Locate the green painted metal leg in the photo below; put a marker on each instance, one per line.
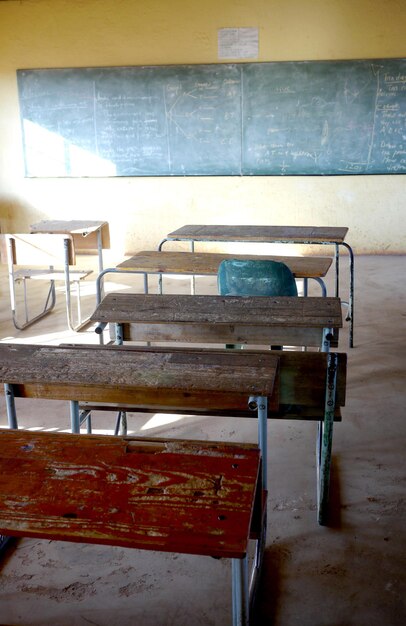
(325, 441)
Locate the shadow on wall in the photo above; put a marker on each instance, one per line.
(14, 217)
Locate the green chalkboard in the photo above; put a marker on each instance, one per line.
(288, 118)
(345, 117)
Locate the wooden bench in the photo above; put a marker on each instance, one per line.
(207, 264)
(48, 257)
(192, 497)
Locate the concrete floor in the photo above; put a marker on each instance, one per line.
(349, 573)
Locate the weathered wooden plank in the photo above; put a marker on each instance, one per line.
(98, 373)
(207, 263)
(84, 232)
(264, 233)
(221, 334)
(208, 309)
(301, 376)
(177, 496)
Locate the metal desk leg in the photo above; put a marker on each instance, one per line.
(350, 314)
(12, 423)
(121, 422)
(100, 254)
(240, 591)
(161, 243)
(325, 441)
(10, 406)
(260, 404)
(74, 416)
(337, 259)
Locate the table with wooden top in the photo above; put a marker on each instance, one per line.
(312, 235)
(221, 319)
(207, 263)
(87, 235)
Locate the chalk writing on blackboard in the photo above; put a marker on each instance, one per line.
(287, 118)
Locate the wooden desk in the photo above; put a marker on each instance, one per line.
(191, 497)
(207, 264)
(320, 235)
(229, 381)
(221, 319)
(46, 257)
(87, 235)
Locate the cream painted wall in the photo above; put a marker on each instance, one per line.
(67, 33)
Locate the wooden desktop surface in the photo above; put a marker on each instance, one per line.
(265, 233)
(208, 319)
(219, 310)
(207, 263)
(169, 378)
(83, 231)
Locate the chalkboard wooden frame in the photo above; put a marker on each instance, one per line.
(247, 119)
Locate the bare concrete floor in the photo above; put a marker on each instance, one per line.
(349, 573)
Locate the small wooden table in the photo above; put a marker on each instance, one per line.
(87, 235)
(192, 497)
(221, 319)
(206, 264)
(317, 235)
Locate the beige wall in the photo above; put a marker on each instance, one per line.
(67, 33)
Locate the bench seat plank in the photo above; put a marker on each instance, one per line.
(207, 263)
(178, 496)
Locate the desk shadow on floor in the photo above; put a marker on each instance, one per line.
(269, 587)
(334, 518)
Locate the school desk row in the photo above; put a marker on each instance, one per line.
(60, 486)
(78, 236)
